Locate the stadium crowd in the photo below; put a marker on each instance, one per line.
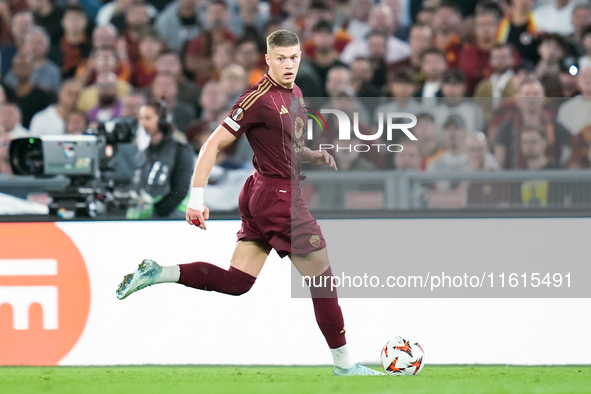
(494, 84)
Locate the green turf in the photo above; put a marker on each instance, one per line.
(283, 380)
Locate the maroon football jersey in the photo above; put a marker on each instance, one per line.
(274, 122)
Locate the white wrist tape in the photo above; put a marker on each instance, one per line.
(196, 199)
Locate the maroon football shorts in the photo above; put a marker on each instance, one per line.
(275, 216)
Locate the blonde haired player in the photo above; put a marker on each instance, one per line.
(273, 214)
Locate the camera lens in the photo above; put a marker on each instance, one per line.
(26, 156)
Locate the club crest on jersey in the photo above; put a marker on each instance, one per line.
(315, 241)
(237, 114)
(298, 127)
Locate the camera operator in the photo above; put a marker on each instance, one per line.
(163, 171)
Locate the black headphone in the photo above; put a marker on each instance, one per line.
(162, 111)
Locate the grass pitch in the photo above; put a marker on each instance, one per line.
(300, 380)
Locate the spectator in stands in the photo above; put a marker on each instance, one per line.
(121, 22)
(378, 46)
(131, 104)
(111, 9)
(581, 18)
(447, 27)
(585, 60)
(144, 70)
(500, 83)
(222, 57)
(169, 63)
(402, 88)
(76, 122)
(323, 51)
(337, 79)
(432, 65)
(248, 56)
(425, 14)
(409, 158)
(427, 139)
(5, 15)
(200, 48)
(575, 114)
(339, 39)
(479, 156)
(538, 193)
(114, 13)
(49, 16)
(11, 121)
(361, 79)
(46, 74)
(179, 22)
(349, 159)
(519, 29)
(109, 104)
(580, 144)
(454, 159)
(338, 85)
(52, 120)
(454, 90)
(105, 36)
(507, 108)
(249, 18)
(381, 19)
(420, 38)
(555, 17)
(552, 50)
(165, 88)
(21, 23)
(567, 83)
(74, 47)
(358, 25)
(29, 98)
(103, 59)
(214, 103)
(213, 100)
(402, 19)
(473, 59)
(234, 82)
(137, 18)
(530, 104)
(534, 142)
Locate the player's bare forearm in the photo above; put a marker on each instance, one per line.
(208, 153)
(306, 156)
(197, 211)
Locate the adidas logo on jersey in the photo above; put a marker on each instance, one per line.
(283, 110)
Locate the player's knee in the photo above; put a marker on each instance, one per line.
(240, 282)
(241, 288)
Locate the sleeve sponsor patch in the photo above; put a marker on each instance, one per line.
(230, 122)
(237, 114)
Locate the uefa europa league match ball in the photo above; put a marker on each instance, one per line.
(401, 356)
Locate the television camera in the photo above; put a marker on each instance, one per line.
(83, 159)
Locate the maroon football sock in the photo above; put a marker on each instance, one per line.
(210, 277)
(327, 310)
